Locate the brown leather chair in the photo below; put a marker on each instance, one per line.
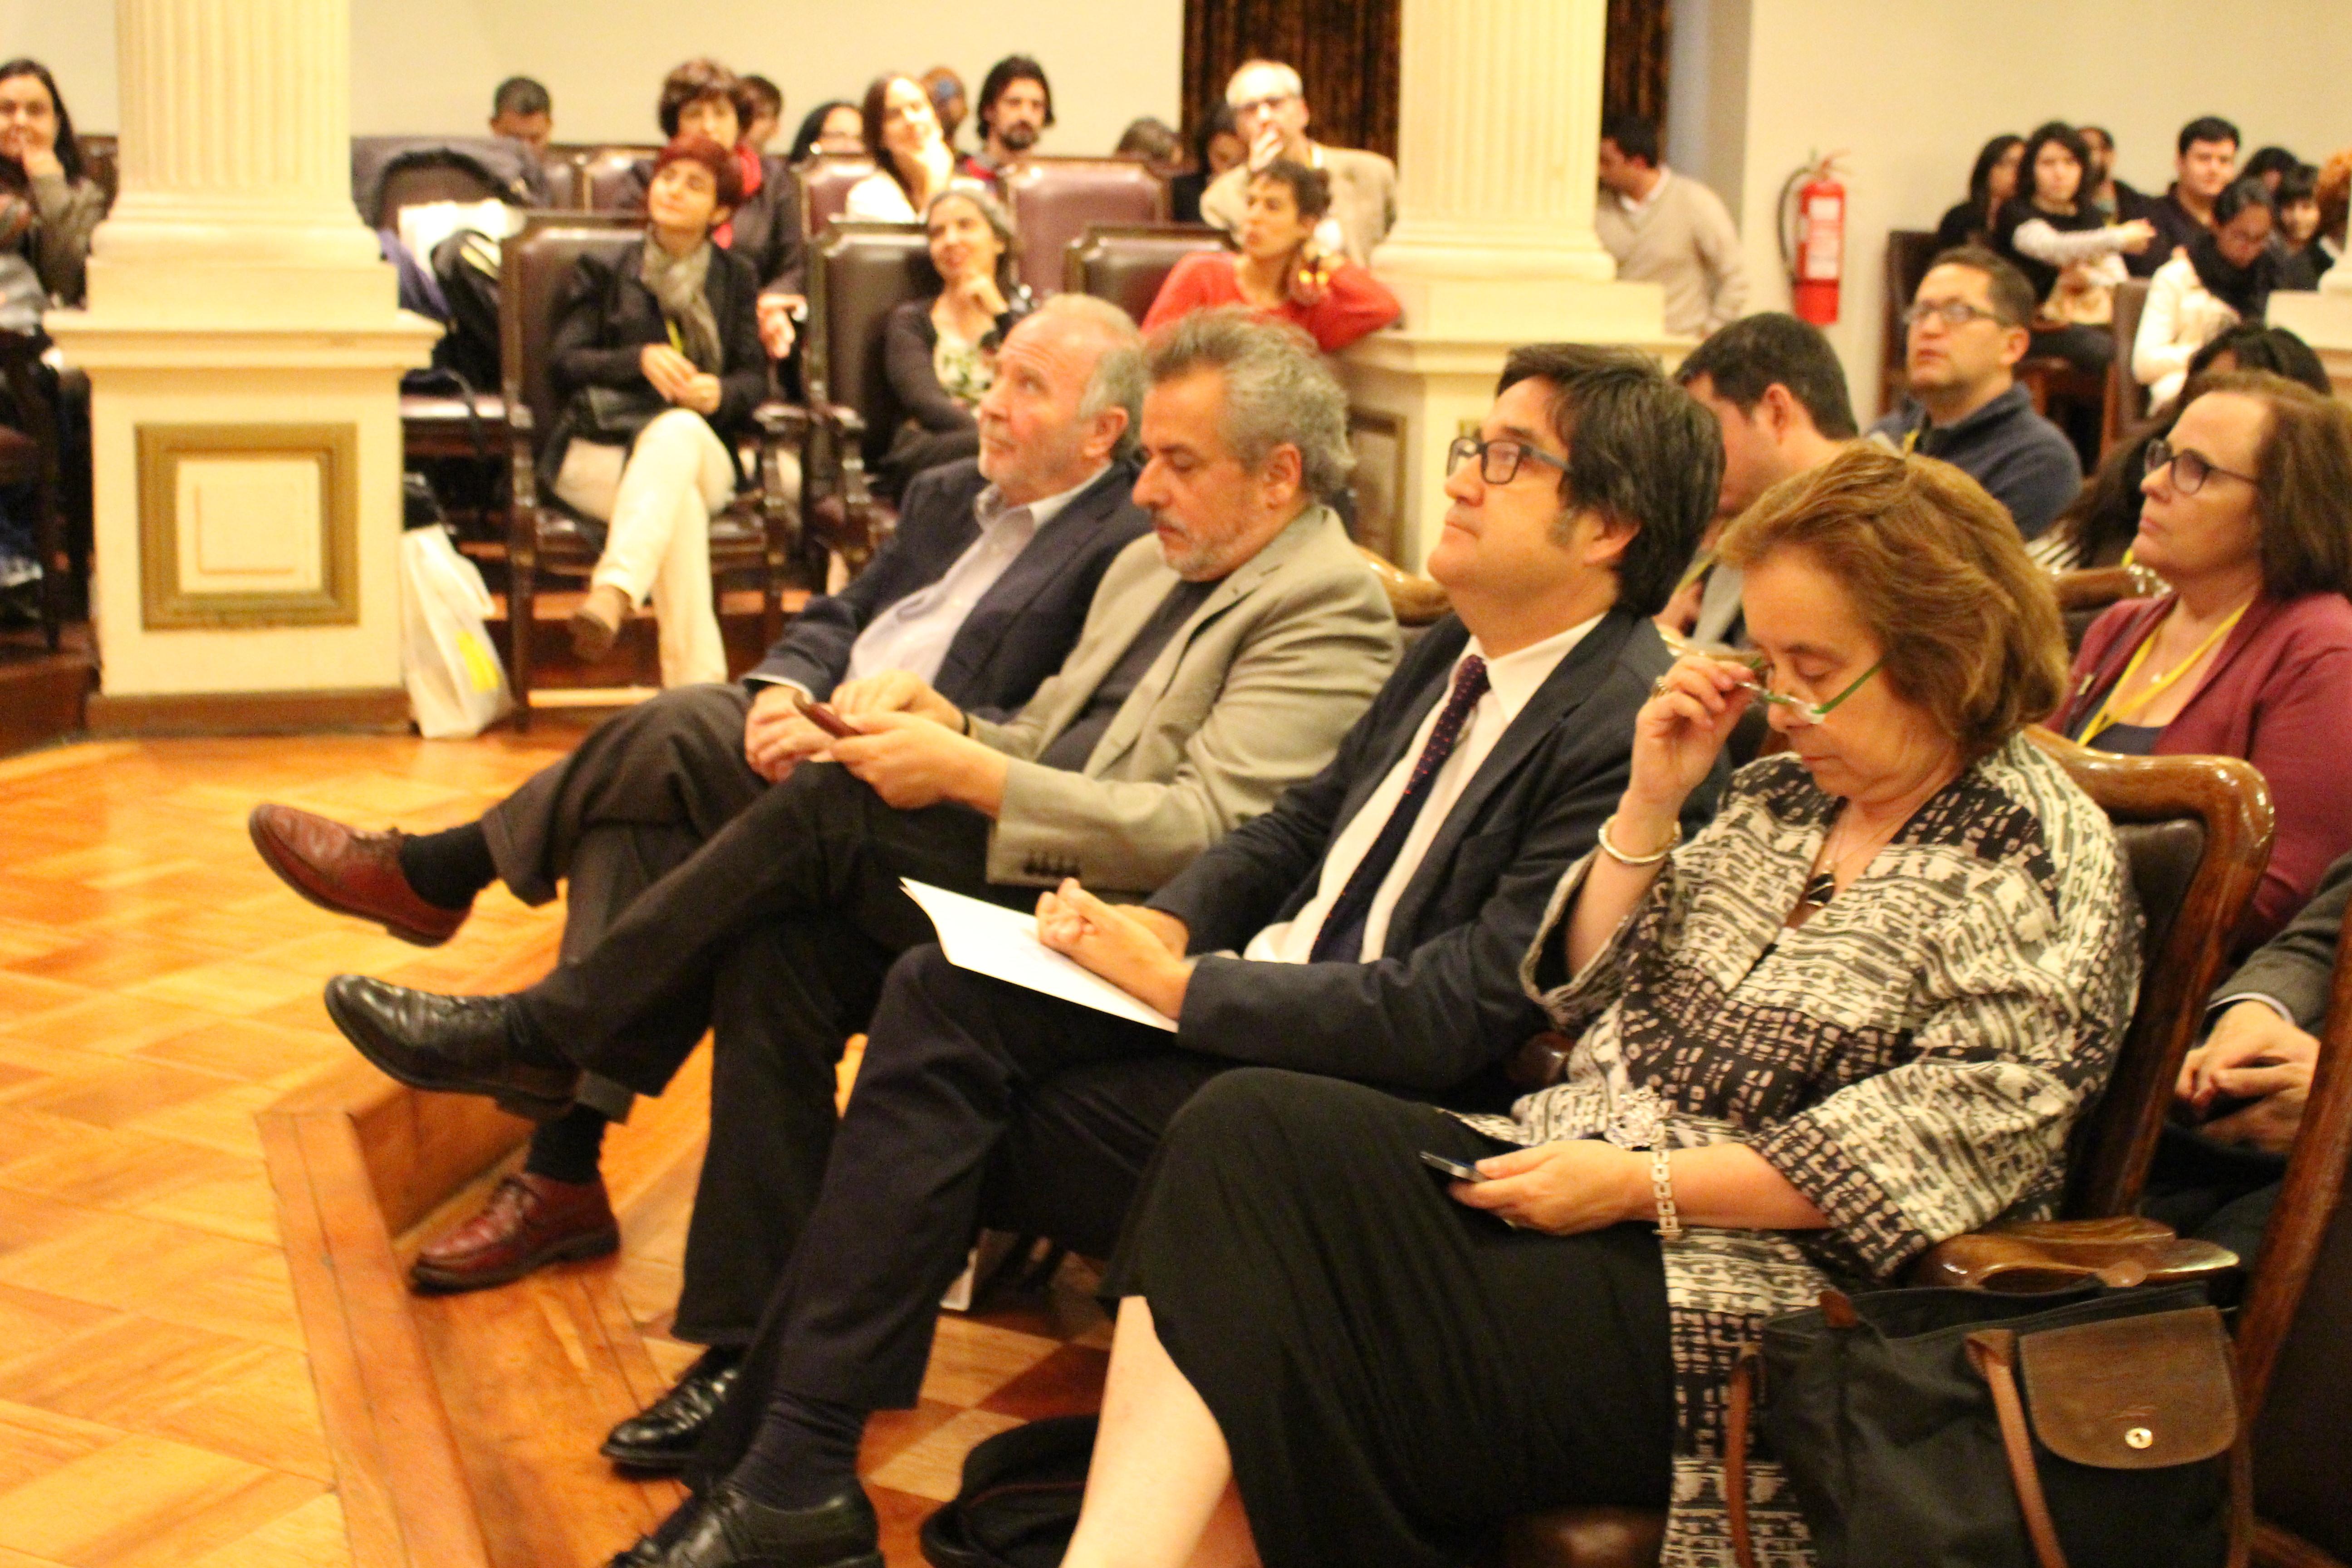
(605, 178)
(2083, 597)
(824, 183)
(1417, 600)
(102, 162)
(2196, 832)
(1126, 263)
(30, 456)
(1054, 199)
(858, 273)
(1908, 251)
(2126, 398)
(415, 184)
(757, 536)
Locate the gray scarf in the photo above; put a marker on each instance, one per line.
(677, 282)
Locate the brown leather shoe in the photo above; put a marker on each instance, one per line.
(530, 1221)
(350, 872)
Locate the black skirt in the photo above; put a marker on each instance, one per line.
(1395, 1374)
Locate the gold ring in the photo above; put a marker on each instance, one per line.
(1658, 687)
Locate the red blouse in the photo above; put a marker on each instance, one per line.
(1354, 304)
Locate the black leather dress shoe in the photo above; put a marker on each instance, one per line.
(460, 1045)
(665, 1434)
(733, 1531)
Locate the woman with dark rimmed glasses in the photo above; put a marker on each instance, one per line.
(2247, 517)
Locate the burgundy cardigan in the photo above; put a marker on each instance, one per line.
(2280, 695)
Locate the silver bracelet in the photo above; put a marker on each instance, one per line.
(1609, 848)
(1661, 1186)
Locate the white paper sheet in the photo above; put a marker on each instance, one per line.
(991, 940)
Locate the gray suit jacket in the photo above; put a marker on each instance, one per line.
(1364, 198)
(1249, 697)
(2294, 967)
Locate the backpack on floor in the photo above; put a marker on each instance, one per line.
(1019, 1501)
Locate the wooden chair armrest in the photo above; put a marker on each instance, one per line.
(2045, 1255)
(780, 421)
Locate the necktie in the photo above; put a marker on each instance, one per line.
(1342, 936)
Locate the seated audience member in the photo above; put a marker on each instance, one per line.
(767, 113)
(2242, 1090)
(1151, 138)
(1216, 147)
(1966, 331)
(2206, 166)
(2248, 519)
(912, 163)
(1270, 117)
(835, 126)
(1776, 1059)
(939, 353)
(658, 358)
(1378, 912)
(944, 88)
(980, 592)
(1280, 270)
(2225, 277)
(2269, 165)
(522, 110)
(2072, 256)
(2298, 260)
(1668, 229)
(704, 97)
(1993, 184)
(2274, 348)
(1777, 393)
(60, 205)
(2110, 197)
(1017, 108)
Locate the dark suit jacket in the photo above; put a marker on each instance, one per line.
(2294, 967)
(1021, 628)
(766, 226)
(1444, 1007)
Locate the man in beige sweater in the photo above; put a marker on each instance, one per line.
(1666, 229)
(1270, 113)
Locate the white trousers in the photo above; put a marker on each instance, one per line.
(656, 501)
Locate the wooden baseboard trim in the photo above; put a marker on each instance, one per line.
(380, 709)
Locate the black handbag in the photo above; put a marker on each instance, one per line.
(1019, 1501)
(1971, 1429)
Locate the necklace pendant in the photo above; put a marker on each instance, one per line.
(1820, 888)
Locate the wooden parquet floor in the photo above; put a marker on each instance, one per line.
(158, 988)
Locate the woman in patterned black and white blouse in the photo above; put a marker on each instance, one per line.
(1855, 1016)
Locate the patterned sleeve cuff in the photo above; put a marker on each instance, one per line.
(1867, 1223)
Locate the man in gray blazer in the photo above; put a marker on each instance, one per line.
(1221, 662)
(1269, 107)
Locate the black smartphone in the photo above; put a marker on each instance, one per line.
(823, 717)
(1454, 1168)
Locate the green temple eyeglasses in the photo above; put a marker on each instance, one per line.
(1801, 711)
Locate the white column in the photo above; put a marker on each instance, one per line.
(1498, 134)
(244, 344)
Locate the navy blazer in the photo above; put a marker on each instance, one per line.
(1444, 1008)
(1021, 628)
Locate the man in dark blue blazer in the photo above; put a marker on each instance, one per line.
(981, 591)
(1371, 926)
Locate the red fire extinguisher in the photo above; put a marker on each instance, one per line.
(1813, 239)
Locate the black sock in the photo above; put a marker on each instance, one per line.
(805, 1454)
(448, 869)
(565, 1148)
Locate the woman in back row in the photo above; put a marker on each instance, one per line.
(2225, 278)
(1280, 271)
(2072, 256)
(48, 204)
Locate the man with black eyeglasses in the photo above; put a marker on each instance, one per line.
(1371, 926)
(1966, 329)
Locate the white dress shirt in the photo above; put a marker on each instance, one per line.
(1511, 681)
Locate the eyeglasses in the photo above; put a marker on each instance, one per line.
(2190, 469)
(1801, 713)
(1954, 314)
(1498, 461)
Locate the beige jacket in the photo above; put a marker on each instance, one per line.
(1249, 697)
(1363, 197)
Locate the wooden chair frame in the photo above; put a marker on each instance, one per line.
(20, 359)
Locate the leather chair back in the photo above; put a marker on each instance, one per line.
(861, 272)
(1908, 251)
(605, 180)
(1126, 263)
(825, 183)
(102, 162)
(415, 184)
(1054, 199)
(2126, 398)
(532, 266)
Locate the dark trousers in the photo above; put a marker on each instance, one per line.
(977, 1102)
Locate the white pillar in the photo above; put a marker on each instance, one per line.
(1499, 131)
(244, 345)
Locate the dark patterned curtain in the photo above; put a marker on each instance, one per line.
(1634, 77)
(1345, 52)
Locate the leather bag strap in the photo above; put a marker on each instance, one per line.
(1736, 1414)
(1994, 1354)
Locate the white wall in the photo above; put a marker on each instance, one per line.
(1910, 89)
(428, 66)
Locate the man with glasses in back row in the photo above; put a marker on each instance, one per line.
(1966, 329)
(1269, 107)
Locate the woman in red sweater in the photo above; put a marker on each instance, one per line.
(1281, 271)
(2248, 519)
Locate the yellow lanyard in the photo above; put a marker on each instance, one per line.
(2110, 714)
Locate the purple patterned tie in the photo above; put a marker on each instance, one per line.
(1342, 936)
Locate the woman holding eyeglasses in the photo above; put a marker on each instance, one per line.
(1905, 936)
(2247, 516)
